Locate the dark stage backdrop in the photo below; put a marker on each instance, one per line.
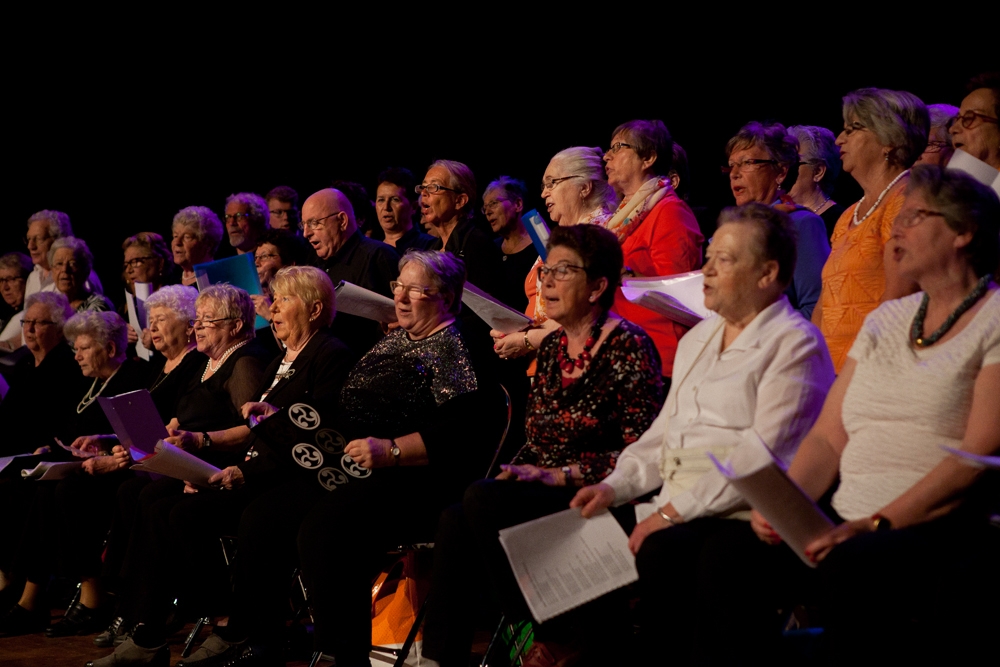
(122, 153)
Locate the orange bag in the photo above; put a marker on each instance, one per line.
(396, 598)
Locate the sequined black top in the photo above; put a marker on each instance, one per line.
(590, 421)
(398, 387)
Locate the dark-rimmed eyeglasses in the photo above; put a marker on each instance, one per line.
(12, 279)
(553, 182)
(750, 164)
(915, 217)
(433, 189)
(263, 256)
(854, 127)
(561, 271)
(968, 119)
(412, 291)
(207, 323)
(235, 217)
(617, 146)
(281, 212)
(316, 223)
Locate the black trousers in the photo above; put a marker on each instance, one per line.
(471, 569)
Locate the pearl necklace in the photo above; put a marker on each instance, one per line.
(877, 201)
(90, 396)
(917, 328)
(209, 366)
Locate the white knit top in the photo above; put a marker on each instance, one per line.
(903, 403)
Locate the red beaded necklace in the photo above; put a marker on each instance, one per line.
(562, 357)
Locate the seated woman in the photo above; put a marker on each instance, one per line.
(576, 192)
(924, 372)
(817, 172)
(423, 407)
(15, 267)
(754, 377)
(71, 263)
(57, 532)
(197, 233)
(658, 231)
(598, 387)
(885, 131)
(174, 552)
(759, 160)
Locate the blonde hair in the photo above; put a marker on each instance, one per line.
(310, 284)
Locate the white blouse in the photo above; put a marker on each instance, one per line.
(903, 403)
(767, 388)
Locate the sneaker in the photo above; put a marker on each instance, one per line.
(79, 620)
(130, 654)
(20, 621)
(213, 651)
(113, 636)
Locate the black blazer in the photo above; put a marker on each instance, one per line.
(316, 375)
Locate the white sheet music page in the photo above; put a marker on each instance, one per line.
(562, 560)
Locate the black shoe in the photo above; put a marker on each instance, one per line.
(79, 620)
(20, 621)
(115, 635)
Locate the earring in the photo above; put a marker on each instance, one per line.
(887, 156)
(592, 299)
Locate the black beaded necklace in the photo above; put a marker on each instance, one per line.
(562, 357)
(917, 329)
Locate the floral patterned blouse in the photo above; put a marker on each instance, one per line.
(607, 408)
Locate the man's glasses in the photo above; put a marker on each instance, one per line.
(235, 217)
(561, 271)
(27, 324)
(8, 281)
(316, 223)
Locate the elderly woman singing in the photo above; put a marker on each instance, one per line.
(752, 379)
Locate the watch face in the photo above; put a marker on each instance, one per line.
(395, 452)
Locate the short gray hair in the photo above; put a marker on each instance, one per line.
(259, 214)
(81, 253)
(231, 302)
(16, 260)
(588, 163)
(819, 145)
(446, 271)
(56, 305)
(460, 178)
(57, 222)
(898, 119)
(512, 188)
(177, 298)
(203, 221)
(103, 327)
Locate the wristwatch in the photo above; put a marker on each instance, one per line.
(395, 453)
(206, 440)
(567, 475)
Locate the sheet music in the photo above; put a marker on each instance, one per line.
(498, 315)
(535, 225)
(173, 462)
(979, 170)
(137, 316)
(677, 297)
(238, 271)
(792, 514)
(49, 470)
(355, 300)
(562, 560)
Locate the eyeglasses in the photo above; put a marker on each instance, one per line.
(137, 262)
(433, 189)
(317, 223)
(36, 323)
(265, 256)
(206, 323)
(560, 271)
(915, 217)
(280, 213)
(37, 240)
(6, 281)
(490, 205)
(617, 146)
(809, 163)
(750, 164)
(553, 182)
(235, 217)
(854, 127)
(412, 291)
(968, 119)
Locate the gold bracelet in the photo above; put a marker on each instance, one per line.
(527, 343)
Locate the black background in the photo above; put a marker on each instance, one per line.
(122, 145)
